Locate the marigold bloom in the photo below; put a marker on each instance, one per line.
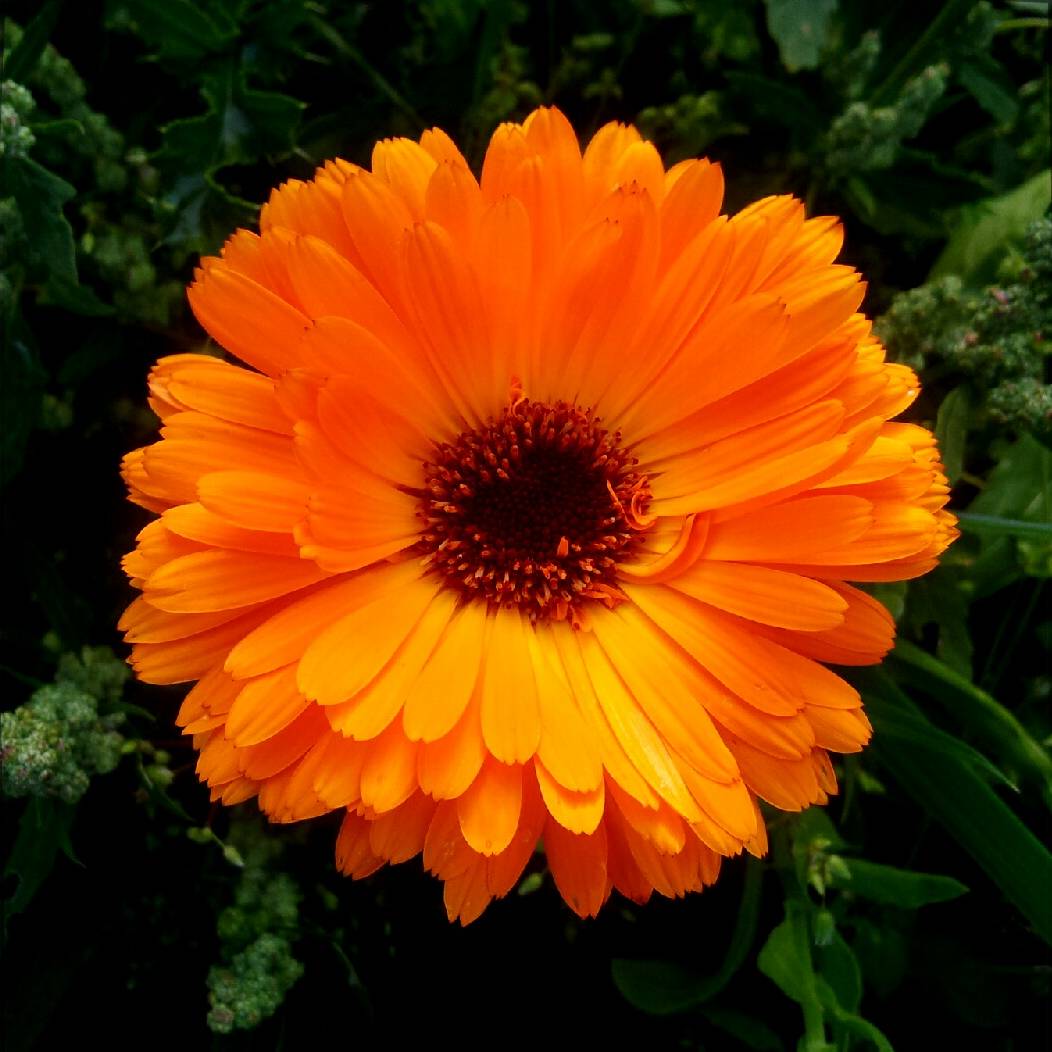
(531, 517)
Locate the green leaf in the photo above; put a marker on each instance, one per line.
(839, 968)
(192, 143)
(951, 429)
(78, 299)
(987, 82)
(23, 58)
(986, 230)
(325, 29)
(927, 47)
(848, 1021)
(940, 598)
(240, 125)
(273, 117)
(102, 347)
(181, 30)
(839, 988)
(952, 792)
(43, 832)
(20, 392)
(915, 201)
(746, 1029)
(995, 526)
(883, 950)
(663, 988)
(657, 987)
(835, 992)
(40, 195)
(800, 28)
(895, 887)
(497, 20)
(785, 958)
(783, 104)
(1018, 488)
(997, 728)
(898, 720)
(157, 795)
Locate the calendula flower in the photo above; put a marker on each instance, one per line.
(530, 514)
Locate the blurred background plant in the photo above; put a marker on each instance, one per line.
(914, 911)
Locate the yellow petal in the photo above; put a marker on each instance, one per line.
(511, 723)
(345, 657)
(578, 812)
(436, 699)
(489, 811)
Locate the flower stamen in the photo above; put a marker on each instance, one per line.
(535, 509)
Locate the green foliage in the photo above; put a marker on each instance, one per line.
(801, 30)
(256, 933)
(998, 340)
(806, 955)
(866, 138)
(51, 747)
(252, 987)
(955, 794)
(135, 136)
(53, 743)
(663, 988)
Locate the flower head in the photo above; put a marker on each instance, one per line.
(530, 514)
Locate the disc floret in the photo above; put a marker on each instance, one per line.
(534, 509)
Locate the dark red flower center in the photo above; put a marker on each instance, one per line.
(534, 509)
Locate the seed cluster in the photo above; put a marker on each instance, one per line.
(534, 510)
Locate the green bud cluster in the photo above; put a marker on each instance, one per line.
(848, 72)
(97, 671)
(90, 135)
(867, 138)
(511, 91)
(692, 122)
(12, 231)
(53, 743)
(256, 933)
(252, 987)
(12, 248)
(999, 338)
(84, 148)
(16, 104)
(262, 902)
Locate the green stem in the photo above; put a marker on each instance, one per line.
(1022, 23)
(385, 87)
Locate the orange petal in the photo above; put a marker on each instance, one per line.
(254, 500)
(578, 865)
(354, 853)
(215, 387)
(511, 724)
(399, 835)
(345, 657)
(285, 636)
(369, 712)
(758, 593)
(633, 730)
(489, 811)
(578, 812)
(437, 698)
(264, 706)
(225, 580)
(389, 775)
(247, 319)
(446, 767)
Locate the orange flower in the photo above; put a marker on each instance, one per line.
(532, 515)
